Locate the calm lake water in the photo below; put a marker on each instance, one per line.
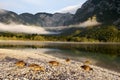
(103, 55)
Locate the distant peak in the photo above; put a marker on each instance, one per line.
(2, 11)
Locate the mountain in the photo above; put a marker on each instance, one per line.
(27, 19)
(57, 19)
(105, 11)
(8, 17)
(39, 19)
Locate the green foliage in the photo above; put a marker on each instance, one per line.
(20, 36)
(39, 38)
(91, 34)
(103, 33)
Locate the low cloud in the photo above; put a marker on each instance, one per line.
(92, 22)
(69, 9)
(23, 29)
(89, 23)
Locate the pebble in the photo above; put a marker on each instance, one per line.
(65, 71)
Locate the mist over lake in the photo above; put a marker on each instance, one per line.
(17, 28)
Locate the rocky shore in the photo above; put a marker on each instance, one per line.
(65, 70)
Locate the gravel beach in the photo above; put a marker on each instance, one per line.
(71, 70)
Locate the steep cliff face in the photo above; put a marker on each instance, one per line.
(106, 11)
(39, 19)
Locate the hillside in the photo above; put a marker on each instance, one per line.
(102, 33)
(106, 11)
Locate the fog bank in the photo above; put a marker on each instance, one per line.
(89, 23)
(24, 29)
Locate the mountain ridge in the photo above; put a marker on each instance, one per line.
(105, 11)
(38, 19)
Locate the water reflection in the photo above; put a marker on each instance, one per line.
(104, 55)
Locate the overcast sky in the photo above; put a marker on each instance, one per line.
(34, 6)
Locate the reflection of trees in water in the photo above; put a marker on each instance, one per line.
(111, 49)
(106, 55)
(105, 49)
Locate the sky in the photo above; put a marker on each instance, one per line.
(34, 6)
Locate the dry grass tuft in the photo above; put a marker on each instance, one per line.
(67, 60)
(54, 63)
(86, 68)
(20, 64)
(36, 67)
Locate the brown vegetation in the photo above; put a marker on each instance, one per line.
(20, 63)
(54, 63)
(67, 60)
(86, 67)
(36, 67)
(87, 62)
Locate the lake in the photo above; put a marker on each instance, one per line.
(105, 55)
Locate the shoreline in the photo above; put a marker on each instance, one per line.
(24, 42)
(68, 71)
